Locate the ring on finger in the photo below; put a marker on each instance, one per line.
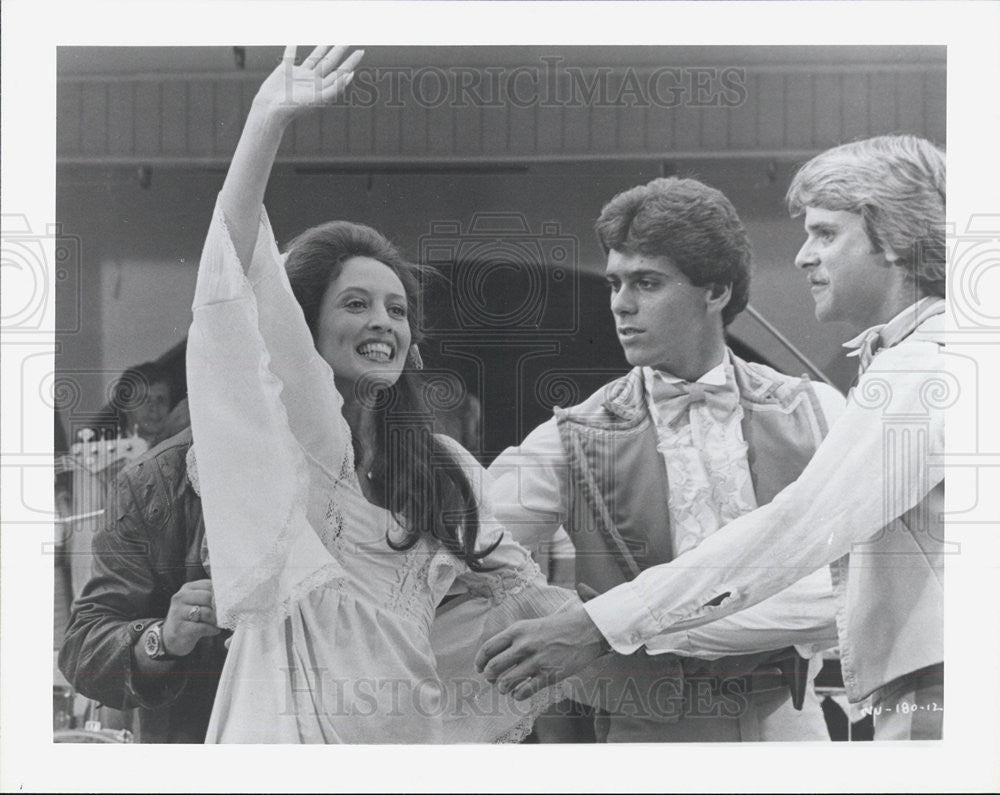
(194, 614)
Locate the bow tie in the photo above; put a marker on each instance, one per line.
(673, 398)
(865, 346)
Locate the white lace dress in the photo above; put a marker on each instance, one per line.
(337, 637)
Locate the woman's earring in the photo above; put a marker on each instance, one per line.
(413, 359)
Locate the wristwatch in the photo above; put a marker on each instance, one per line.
(153, 643)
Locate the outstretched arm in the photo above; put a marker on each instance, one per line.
(287, 92)
(869, 471)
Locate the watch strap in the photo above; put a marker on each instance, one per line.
(159, 652)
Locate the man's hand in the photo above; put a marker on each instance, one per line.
(190, 618)
(531, 655)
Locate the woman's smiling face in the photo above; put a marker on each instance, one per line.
(364, 329)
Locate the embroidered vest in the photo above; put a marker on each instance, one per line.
(619, 518)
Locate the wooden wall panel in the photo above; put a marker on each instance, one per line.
(523, 131)
(94, 119)
(828, 124)
(334, 132)
(934, 96)
(799, 123)
(854, 105)
(307, 136)
(632, 130)
(495, 137)
(68, 98)
(576, 128)
(389, 128)
(910, 100)
(742, 120)
(121, 119)
(715, 128)
(147, 121)
(361, 131)
(173, 118)
(687, 129)
(659, 128)
(770, 100)
(468, 132)
(201, 118)
(882, 109)
(585, 113)
(552, 122)
(603, 127)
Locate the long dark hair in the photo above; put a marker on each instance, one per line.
(417, 476)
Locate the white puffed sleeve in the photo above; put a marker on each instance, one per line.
(267, 428)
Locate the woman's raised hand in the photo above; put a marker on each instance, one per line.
(320, 79)
(288, 91)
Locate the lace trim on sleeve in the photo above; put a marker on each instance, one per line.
(253, 599)
(331, 575)
(476, 711)
(256, 482)
(538, 704)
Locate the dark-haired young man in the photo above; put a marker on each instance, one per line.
(655, 462)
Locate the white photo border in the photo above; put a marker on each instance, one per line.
(965, 759)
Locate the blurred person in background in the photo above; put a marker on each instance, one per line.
(141, 400)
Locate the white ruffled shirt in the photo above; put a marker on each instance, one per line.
(705, 459)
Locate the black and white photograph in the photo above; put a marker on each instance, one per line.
(497, 386)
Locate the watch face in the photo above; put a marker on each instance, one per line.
(153, 642)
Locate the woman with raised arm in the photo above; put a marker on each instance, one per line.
(336, 520)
